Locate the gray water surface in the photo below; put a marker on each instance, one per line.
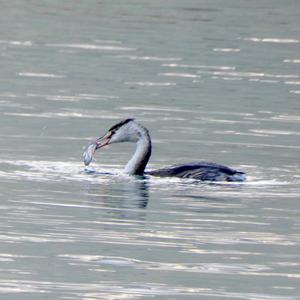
(211, 80)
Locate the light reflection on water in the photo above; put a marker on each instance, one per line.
(117, 212)
(211, 83)
(103, 222)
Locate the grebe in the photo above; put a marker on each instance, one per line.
(131, 131)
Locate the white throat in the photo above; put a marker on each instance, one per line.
(140, 158)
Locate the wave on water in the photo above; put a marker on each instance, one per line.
(134, 290)
(148, 83)
(231, 72)
(56, 171)
(149, 58)
(44, 171)
(272, 40)
(17, 43)
(40, 75)
(65, 114)
(92, 47)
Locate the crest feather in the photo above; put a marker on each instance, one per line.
(120, 124)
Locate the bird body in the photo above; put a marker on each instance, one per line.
(131, 131)
(204, 171)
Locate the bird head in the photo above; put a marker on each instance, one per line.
(124, 131)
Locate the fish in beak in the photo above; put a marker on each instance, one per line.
(91, 149)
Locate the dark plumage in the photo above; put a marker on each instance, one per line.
(120, 124)
(205, 171)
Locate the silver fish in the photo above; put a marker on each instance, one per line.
(88, 153)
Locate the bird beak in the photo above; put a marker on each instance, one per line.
(103, 141)
(99, 143)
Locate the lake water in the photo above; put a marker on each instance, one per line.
(211, 80)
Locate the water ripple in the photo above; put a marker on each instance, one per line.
(92, 47)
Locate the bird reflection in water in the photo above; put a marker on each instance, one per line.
(125, 197)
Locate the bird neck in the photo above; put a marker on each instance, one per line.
(140, 158)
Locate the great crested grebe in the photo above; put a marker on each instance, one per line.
(131, 131)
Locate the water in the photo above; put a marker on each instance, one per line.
(212, 81)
